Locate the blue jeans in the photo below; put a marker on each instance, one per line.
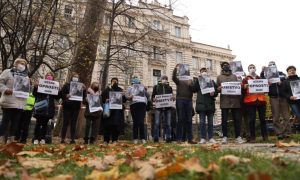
(210, 124)
(184, 111)
(167, 122)
(296, 110)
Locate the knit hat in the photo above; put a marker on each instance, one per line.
(20, 60)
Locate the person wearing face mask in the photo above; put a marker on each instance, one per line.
(71, 109)
(138, 108)
(92, 118)
(253, 102)
(205, 107)
(279, 105)
(288, 94)
(161, 88)
(45, 114)
(114, 124)
(12, 106)
(229, 103)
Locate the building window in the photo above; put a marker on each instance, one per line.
(156, 76)
(130, 50)
(107, 18)
(196, 63)
(157, 53)
(209, 64)
(68, 11)
(179, 57)
(156, 25)
(130, 21)
(103, 47)
(177, 31)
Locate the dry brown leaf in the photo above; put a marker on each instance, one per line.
(6, 171)
(98, 175)
(278, 161)
(281, 144)
(193, 164)
(61, 177)
(230, 159)
(78, 147)
(12, 148)
(26, 176)
(213, 167)
(146, 170)
(28, 153)
(110, 160)
(36, 162)
(214, 147)
(168, 169)
(140, 152)
(131, 176)
(259, 176)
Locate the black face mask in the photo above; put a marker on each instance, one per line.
(226, 68)
(96, 89)
(115, 85)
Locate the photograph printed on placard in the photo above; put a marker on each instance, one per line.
(138, 90)
(21, 84)
(76, 89)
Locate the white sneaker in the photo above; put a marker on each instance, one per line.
(43, 141)
(202, 141)
(144, 141)
(224, 140)
(212, 141)
(36, 142)
(135, 141)
(239, 140)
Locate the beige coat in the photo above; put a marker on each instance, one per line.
(9, 101)
(228, 101)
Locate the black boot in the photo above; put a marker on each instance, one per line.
(92, 140)
(86, 140)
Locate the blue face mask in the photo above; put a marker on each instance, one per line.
(135, 81)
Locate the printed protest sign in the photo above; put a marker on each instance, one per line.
(139, 93)
(164, 100)
(206, 84)
(183, 72)
(94, 102)
(295, 86)
(258, 85)
(76, 91)
(237, 68)
(21, 86)
(48, 87)
(115, 100)
(272, 74)
(231, 88)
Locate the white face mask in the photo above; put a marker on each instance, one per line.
(21, 67)
(164, 81)
(252, 71)
(75, 79)
(204, 74)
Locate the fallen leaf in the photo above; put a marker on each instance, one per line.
(278, 161)
(168, 170)
(36, 162)
(110, 160)
(230, 159)
(213, 167)
(99, 175)
(26, 176)
(281, 144)
(29, 153)
(6, 171)
(214, 147)
(259, 176)
(78, 147)
(193, 164)
(140, 152)
(12, 148)
(131, 176)
(61, 177)
(146, 170)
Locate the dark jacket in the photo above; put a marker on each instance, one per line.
(160, 89)
(287, 91)
(50, 112)
(205, 102)
(116, 115)
(70, 104)
(183, 90)
(228, 101)
(275, 89)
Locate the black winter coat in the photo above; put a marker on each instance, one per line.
(275, 89)
(70, 104)
(287, 89)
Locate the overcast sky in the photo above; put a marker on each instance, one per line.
(256, 30)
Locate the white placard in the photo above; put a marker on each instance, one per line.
(272, 74)
(94, 102)
(237, 68)
(48, 87)
(139, 99)
(295, 87)
(231, 88)
(164, 100)
(76, 91)
(115, 100)
(183, 72)
(258, 85)
(206, 84)
(21, 86)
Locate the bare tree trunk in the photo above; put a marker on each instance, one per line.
(86, 51)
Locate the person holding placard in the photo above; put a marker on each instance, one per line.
(71, 107)
(205, 107)
(114, 124)
(92, 113)
(44, 112)
(229, 103)
(279, 105)
(162, 88)
(11, 104)
(253, 102)
(290, 93)
(137, 95)
(184, 107)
